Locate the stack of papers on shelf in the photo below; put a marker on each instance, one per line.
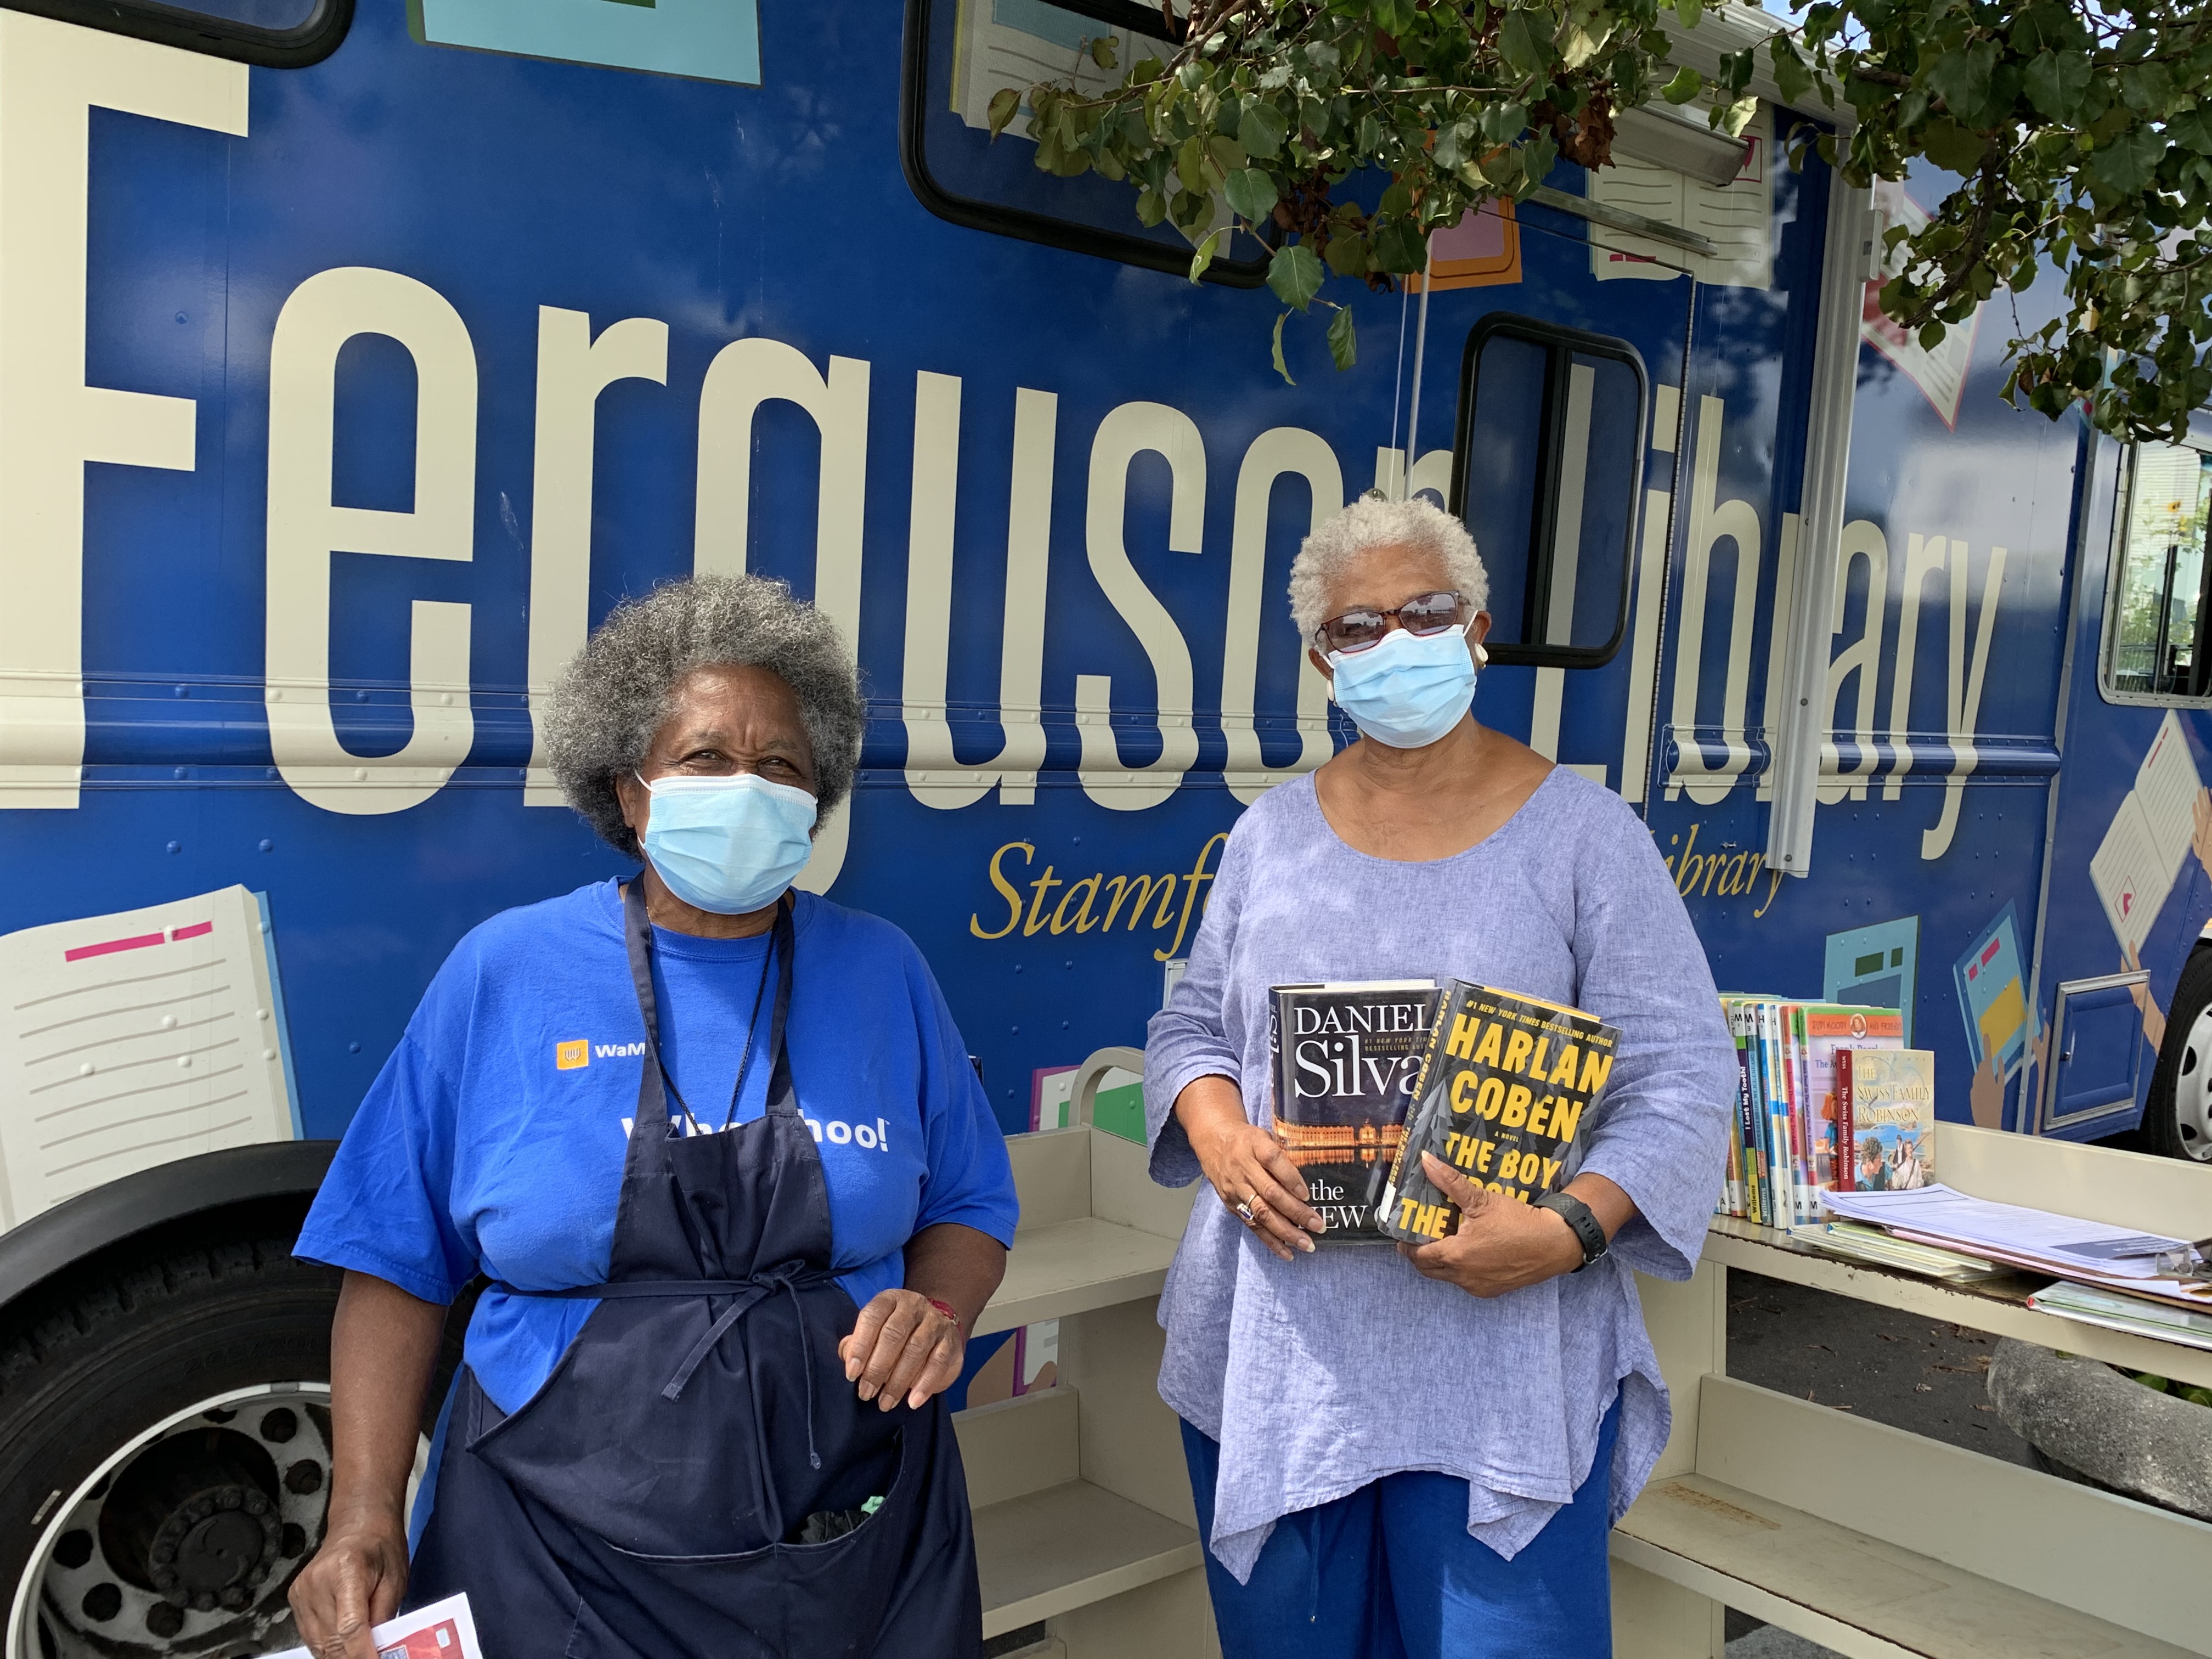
(2117, 1311)
(2086, 1252)
(1862, 1243)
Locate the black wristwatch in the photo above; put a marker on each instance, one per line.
(1576, 1214)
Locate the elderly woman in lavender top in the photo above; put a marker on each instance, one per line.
(1403, 1453)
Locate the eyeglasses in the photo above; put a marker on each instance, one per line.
(1363, 628)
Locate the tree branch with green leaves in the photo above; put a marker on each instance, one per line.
(1341, 134)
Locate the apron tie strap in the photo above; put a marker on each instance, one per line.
(737, 1309)
(806, 1366)
(746, 1293)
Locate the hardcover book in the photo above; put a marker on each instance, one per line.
(1891, 1111)
(1505, 1080)
(1345, 1058)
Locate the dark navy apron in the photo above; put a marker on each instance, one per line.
(645, 1501)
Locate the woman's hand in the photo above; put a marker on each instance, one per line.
(902, 1346)
(384, 1347)
(353, 1585)
(1247, 1166)
(1501, 1244)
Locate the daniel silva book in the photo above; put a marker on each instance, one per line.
(1345, 1056)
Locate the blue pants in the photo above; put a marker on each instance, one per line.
(1389, 1572)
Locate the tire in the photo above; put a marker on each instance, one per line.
(2178, 1120)
(173, 1394)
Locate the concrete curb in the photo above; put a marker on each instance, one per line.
(2115, 1432)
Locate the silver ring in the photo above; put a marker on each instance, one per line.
(1244, 1213)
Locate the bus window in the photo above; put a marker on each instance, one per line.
(2159, 611)
(276, 34)
(958, 54)
(1547, 468)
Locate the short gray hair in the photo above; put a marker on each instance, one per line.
(615, 695)
(1371, 522)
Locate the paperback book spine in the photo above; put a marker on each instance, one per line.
(1847, 1161)
(1755, 1129)
(1805, 1111)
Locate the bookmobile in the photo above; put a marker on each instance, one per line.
(356, 355)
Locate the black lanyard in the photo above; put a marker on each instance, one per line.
(744, 1059)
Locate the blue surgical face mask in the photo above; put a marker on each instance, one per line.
(729, 845)
(1408, 690)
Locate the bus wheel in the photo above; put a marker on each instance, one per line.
(2177, 1122)
(165, 1435)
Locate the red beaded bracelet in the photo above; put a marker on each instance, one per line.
(945, 1309)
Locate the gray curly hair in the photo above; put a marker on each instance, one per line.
(1371, 522)
(613, 697)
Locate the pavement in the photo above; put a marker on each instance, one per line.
(1878, 1362)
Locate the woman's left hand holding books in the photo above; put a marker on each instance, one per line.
(1502, 1244)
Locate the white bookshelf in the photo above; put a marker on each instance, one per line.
(1883, 1544)
(1084, 1520)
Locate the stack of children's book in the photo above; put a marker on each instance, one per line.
(1828, 1097)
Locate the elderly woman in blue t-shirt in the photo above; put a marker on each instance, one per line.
(719, 1149)
(1418, 1451)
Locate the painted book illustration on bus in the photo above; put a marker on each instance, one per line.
(1885, 1100)
(1505, 1082)
(1345, 1058)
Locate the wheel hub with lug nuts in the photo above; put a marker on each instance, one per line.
(212, 1551)
(185, 1543)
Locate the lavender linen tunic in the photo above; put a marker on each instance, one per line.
(1320, 1375)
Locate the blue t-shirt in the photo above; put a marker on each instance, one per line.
(493, 1140)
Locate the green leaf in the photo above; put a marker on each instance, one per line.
(1280, 366)
(1151, 207)
(1687, 84)
(1525, 42)
(1204, 257)
(1961, 79)
(1502, 124)
(1343, 344)
(1190, 166)
(1251, 194)
(1452, 144)
(2130, 162)
(1735, 117)
(1537, 156)
(1005, 103)
(2191, 129)
(2147, 88)
(1296, 275)
(1101, 51)
(2043, 27)
(1399, 247)
(1689, 11)
(1262, 128)
(1346, 254)
(1791, 77)
(1950, 146)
